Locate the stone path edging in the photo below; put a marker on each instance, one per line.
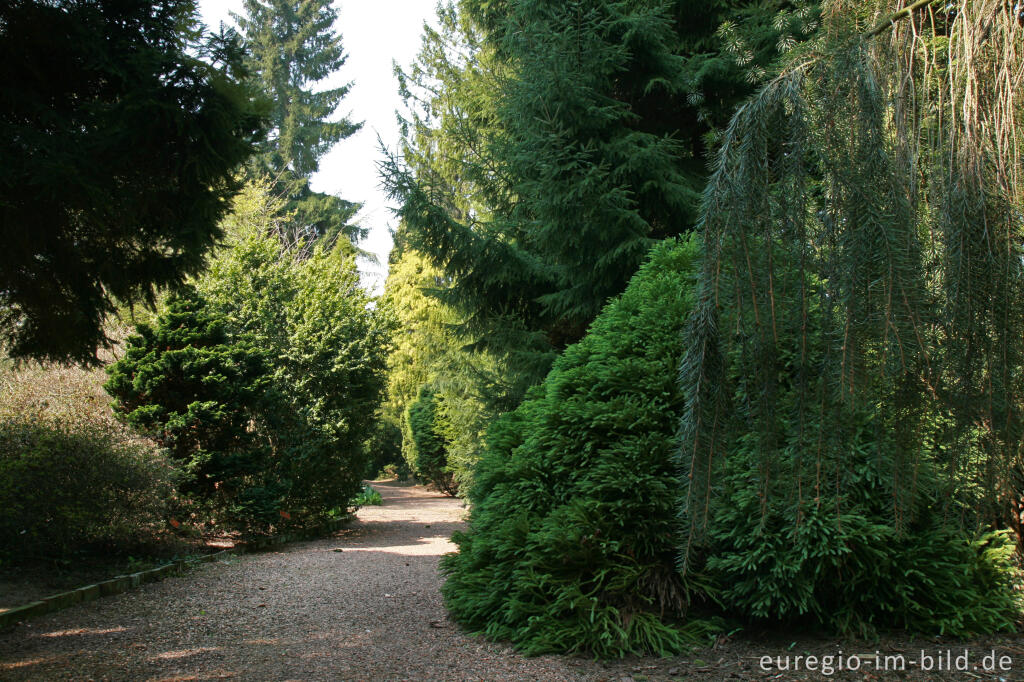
(116, 585)
(122, 583)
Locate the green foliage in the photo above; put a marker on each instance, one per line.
(429, 351)
(548, 146)
(571, 545)
(844, 565)
(849, 426)
(198, 393)
(71, 486)
(292, 46)
(424, 325)
(427, 427)
(368, 497)
(325, 340)
(120, 148)
(384, 449)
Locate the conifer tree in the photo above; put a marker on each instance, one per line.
(121, 130)
(293, 46)
(570, 545)
(429, 354)
(206, 396)
(852, 372)
(557, 142)
(327, 342)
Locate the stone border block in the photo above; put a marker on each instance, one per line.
(55, 602)
(16, 615)
(122, 583)
(89, 592)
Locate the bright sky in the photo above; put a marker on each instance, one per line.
(374, 32)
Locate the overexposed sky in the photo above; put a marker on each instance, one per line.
(373, 33)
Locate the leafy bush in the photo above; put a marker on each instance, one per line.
(67, 486)
(326, 345)
(571, 545)
(426, 425)
(203, 396)
(369, 497)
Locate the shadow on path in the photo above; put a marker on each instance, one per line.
(362, 604)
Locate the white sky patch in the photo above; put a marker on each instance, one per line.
(373, 33)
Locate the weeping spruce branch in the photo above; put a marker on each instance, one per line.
(862, 272)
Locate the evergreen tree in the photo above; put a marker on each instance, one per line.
(205, 396)
(571, 544)
(557, 142)
(426, 424)
(429, 354)
(326, 341)
(853, 382)
(292, 46)
(120, 148)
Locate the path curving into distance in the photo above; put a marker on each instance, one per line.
(371, 611)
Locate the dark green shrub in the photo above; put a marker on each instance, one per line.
(69, 486)
(572, 544)
(425, 420)
(204, 397)
(844, 564)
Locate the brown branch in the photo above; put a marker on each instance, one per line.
(893, 18)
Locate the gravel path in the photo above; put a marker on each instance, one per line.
(371, 611)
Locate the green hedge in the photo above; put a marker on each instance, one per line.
(572, 543)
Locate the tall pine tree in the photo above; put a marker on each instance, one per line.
(293, 46)
(556, 143)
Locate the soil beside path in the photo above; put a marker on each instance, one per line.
(371, 611)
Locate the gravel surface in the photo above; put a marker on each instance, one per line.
(362, 605)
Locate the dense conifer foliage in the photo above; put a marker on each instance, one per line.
(119, 149)
(206, 398)
(853, 365)
(265, 384)
(571, 544)
(549, 145)
(850, 387)
(428, 430)
(429, 353)
(327, 341)
(844, 566)
(293, 46)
